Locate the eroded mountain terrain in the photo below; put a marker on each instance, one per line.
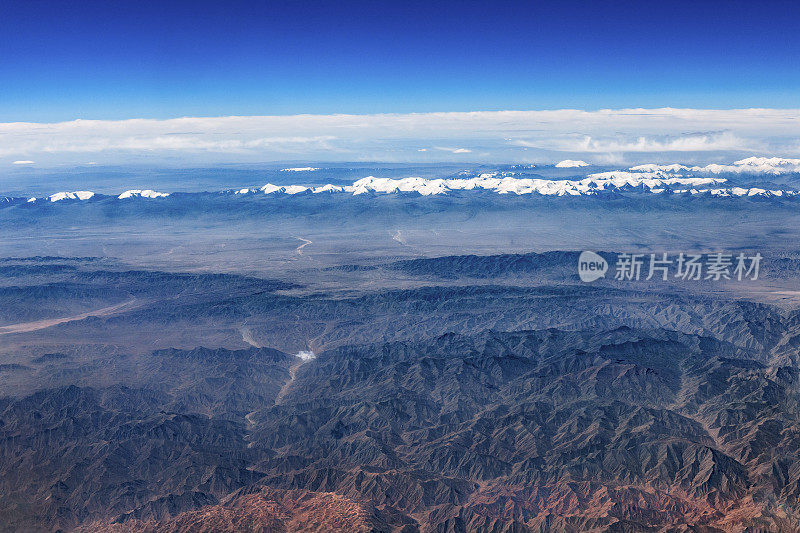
(456, 393)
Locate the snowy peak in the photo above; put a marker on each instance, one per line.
(287, 189)
(751, 165)
(719, 180)
(74, 195)
(569, 163)
(138, 193)
(423, 186)
(510, 185)
(327, 188)
(269, 188)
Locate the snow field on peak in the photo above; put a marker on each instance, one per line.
(146, 193)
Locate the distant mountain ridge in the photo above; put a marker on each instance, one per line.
(713, 179)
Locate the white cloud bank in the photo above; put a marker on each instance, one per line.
(623, 135)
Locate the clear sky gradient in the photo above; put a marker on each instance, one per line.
(116, 60)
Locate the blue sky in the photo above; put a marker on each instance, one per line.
(117, 60)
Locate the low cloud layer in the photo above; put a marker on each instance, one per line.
(604, 136)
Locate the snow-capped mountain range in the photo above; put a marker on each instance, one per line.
(649, 178)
